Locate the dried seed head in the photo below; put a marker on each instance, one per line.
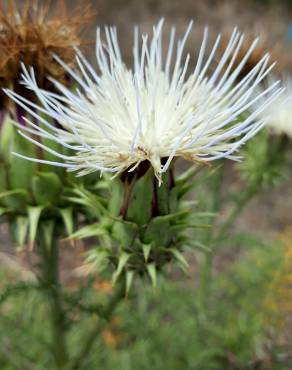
(31, 33)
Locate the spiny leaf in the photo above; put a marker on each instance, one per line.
(33, 217)
(188, 174)
(151, 268)
(153, 233)
(123, 259)
(129, 280)
(146, 251)
(178, 255)
(21, 230)
(96, 229)
(68, 219)
(184, 189)
(47, 228)
(88, 199)
(173, 216)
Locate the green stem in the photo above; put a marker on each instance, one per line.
(49, 254)
(106, 315)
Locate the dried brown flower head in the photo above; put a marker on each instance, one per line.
(31, 33)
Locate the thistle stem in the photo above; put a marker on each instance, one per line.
(50, 279)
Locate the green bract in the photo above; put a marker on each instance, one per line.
(34, 195)
(142, 226)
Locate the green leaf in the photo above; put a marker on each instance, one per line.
(157, 232)
(116, 197)
(188, 174)
(163, 193)
(140, 202)
(151, 268)
(96, 229)
(124, 232)
(88, 199)
(47, 228)
(21, 170)
(123, 259)
(33, 217)
(180, 258)
(129, 280)
(6, 138)
(15, 199)
(46, 188)
(159, 228)
(68, 219)
(20, 230)
(3, 177)
(146, 251)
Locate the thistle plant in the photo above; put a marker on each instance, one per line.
(131, 126)
(33, 197)
(30, 33)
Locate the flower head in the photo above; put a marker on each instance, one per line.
(160, 109)
(30, 32)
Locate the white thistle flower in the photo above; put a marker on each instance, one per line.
(161, 109)
(279, 112)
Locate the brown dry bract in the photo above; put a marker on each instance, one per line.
(31, 32)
